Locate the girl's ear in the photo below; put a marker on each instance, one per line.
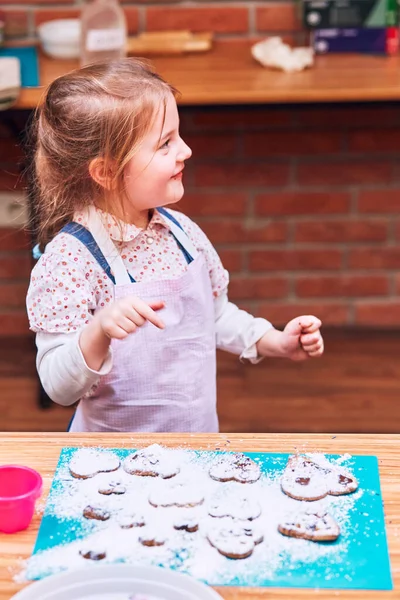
(102, 173)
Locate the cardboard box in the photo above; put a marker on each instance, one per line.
(327, 14)
(370, 41)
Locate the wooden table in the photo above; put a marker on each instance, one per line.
(41, 450)
(229, 75)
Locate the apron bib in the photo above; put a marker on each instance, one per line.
(162, 380)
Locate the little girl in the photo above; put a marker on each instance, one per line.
(129, 300)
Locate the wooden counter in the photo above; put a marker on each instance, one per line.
(229, 75)
(41, 451)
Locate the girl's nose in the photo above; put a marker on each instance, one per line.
(185, 152)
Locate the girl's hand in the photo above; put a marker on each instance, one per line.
(116, 321)
(301, 339)
(124, 316)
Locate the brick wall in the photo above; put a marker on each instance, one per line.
(225, 18)
(302, 203)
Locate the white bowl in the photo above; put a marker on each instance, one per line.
(61, 38)
(118, 582)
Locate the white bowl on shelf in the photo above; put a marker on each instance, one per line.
(61, 38)
(118, 582)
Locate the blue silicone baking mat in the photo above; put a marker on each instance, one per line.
(358, 559)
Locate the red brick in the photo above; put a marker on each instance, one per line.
(219, 19)
(378, 140)
(397, 281)
(341, 231)
(374, 258)
(248, 288)
(242, 174)
(289, 143)
(209, 146)
(344, 172)
(345, 285)
(346, 116)
(377, 314)
(302, 203)
(277, 17)
(232, 260)
(15, 266)
(379, 201)
(13, 323)
(214, 204)
(235, 118)
(50, 14)
(15, 23)
(14, 239)
(10, 151)
(13, 295)
(335, 313)
(11, 180)
(37, 2)
(294, 260)
(132, 19)
(43, 15)
(236, 232)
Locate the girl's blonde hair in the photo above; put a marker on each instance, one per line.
(103, 110)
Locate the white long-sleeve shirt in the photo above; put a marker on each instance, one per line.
(68, 285)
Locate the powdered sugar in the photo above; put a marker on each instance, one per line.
(135, 520)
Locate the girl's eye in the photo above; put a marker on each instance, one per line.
(165, 145)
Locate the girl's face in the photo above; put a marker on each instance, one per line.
(153, 177)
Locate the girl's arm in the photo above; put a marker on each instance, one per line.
(63, 372)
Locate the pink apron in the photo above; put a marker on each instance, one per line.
(162, 380)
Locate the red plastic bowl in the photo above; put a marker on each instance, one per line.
(20, 487)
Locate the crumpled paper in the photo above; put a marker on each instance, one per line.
(274, 53)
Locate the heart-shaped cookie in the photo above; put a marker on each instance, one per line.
(307, 525)
(306, 479)
(235, 467)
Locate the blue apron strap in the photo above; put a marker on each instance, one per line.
(186, 254)
(85, 237)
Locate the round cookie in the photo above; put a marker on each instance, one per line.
(313, 526)
(96, 512)
(235, 467)
(152, 461)
(87, 462)
(93, 554)
(149, 536)
(130, 520)
(112, 487)
(187, 520)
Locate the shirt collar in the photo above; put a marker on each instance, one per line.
(119, 230)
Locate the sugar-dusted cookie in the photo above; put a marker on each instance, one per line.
(151, 536)
(187, 520)
(93, 551)
(96, 512)
(316, 526)
(233, 539)
(235, 506)
(153, 461)
(235, 467)
(181, 495)
(87, 462)
(112, 487)
(93, 554)
(306, 479)
(128, 520)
